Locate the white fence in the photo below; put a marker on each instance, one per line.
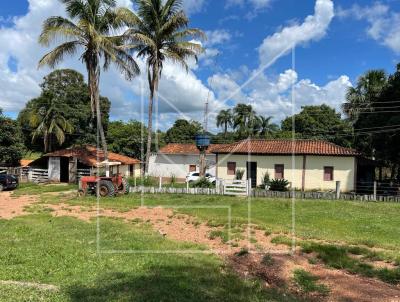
(236, 187)
(38, 175)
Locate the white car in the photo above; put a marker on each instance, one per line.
(195, 176)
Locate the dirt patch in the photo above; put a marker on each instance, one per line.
(12, 207)
(40, 286)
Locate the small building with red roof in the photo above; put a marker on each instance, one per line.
(67, 165)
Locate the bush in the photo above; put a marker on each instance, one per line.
(203, 183)
(239, 174)
(173, 180)
(279, 185)
(146, 181)
(265, 181)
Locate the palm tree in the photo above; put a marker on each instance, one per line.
(49, 123)
(225, 119)
(244, 119)
(159, 32)
(89, 28)
(265, 126)
(360, 98)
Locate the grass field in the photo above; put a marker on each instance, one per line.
(62, 252)
(371, 224)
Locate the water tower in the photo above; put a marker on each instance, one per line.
(202, 143)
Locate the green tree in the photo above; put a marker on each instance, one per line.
(368, 88)
(266, 128)
(183, 132)
(96, 22)
(11, 143)
(320, 122)
(159, 31)
(245, 120)
(376, 122)
(67, 91)
(49, 123)
(225, 119)
(126, 138)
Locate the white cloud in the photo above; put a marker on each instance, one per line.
(188, 93)
(256, 4)
(193, 6)
(272, 96)
(218, 36)
(313, 28)
(383, 24)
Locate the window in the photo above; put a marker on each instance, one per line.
(279, 171)
(231, 168)
(192, 168)
(328, 173)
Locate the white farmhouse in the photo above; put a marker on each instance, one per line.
(180, 159)
(306, 164)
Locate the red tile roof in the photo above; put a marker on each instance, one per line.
(25, 162)
(286, 147)
(186, 148)
(88, 155)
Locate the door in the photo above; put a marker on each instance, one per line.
(64, 169)
(251, 167)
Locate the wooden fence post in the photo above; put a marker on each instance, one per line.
(375, 189)
(187, 187)
(160, 183)
(338, 190)
(248, 187)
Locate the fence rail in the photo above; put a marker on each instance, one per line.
(235, 187)
(266, 194)
(39, 175)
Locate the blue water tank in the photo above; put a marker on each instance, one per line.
(202, 141)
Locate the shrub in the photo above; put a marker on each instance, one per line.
(279, 185)
(146, 181)
(265, 181)
(173, 180)
(203, 183)
(239, 174)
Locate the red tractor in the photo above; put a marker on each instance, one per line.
(108, 186)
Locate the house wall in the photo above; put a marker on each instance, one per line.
(314, 172)
(124, 170)
(166, 165)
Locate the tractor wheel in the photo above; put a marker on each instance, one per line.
(106, 188)
(81, 193)
(124, 187)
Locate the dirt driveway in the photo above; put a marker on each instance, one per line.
(13, 207)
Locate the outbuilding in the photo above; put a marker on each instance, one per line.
(67, 165)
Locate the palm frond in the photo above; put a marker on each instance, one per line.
(189, 33)
(57, 54)
(58, 27)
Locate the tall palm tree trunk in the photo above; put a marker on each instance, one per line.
(153, 83)
(94, 76)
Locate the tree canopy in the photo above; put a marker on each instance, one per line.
(67, 92)
(320, 122)
(183, 131)
(11, 143)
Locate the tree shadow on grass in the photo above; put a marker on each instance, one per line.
(175, 283)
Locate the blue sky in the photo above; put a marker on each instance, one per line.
(335, 41)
